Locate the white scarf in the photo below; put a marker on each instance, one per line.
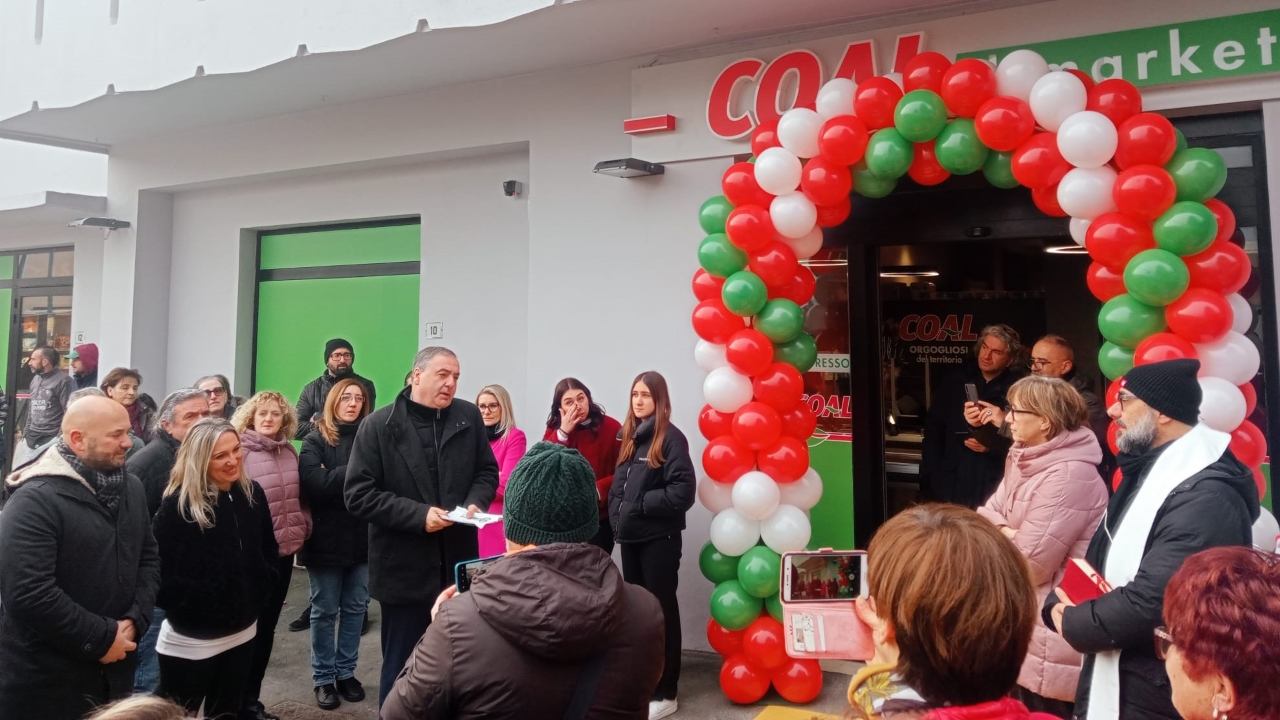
(1186, 456)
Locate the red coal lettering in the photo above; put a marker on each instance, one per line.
(724, 97)
(808, 71)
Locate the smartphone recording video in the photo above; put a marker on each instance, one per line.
(464, 573)
(825, 576)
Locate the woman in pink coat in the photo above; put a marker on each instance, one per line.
(266, 423)
(508, 445)
(1049, 503)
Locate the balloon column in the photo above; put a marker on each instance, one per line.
(1167, 263)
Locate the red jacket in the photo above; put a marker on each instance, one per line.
(1006, 709)
(600, 447)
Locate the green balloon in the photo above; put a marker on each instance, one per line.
(1114, 361)
(801, 353)
(959, 150)
(1199, 173)
(773, 604)
(719, 257)
(780, 320)
(1156, 277)
(867, 184)
(1180, 142)
(998, 170)
(716, 566)
(733, 607)
(920, 115)
(1186, 228)
(889, 155)
(759, 571)
(714, 213)
(1126, 322)
(744, 293)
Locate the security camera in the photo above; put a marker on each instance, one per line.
(511, 188)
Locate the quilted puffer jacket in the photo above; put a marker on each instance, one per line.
(273, 464)
(1053, 497)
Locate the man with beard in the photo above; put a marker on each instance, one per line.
(79, 571)
(1182, 491)
(339, 358)
(49, 394)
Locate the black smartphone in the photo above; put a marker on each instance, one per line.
(465, 572)
(971, 392)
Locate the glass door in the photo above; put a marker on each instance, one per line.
(42, 316)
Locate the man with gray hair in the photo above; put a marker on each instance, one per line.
(413, 462)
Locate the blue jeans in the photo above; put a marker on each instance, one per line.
(147, 677)
(339, 598)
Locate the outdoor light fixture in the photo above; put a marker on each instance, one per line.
(628, 168)
(907, 271)
(100, 222)
(1066, 250)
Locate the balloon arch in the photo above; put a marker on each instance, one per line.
(1167, 264)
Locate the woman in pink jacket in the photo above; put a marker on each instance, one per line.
(1049, 503)
(266, 423)
(508, 445)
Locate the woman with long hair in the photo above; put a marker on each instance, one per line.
(579, 422)
(267, 423)
(337, 553)
(653, 488)
(217, 566)
(508, 444)
(121, 385)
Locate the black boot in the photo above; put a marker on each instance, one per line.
(351, 690)
(303, 622)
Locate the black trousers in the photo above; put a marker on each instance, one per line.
(1042, 704)
(604, 537)
(266, 639)
(402, 627)
(655, 566)
(217, 682)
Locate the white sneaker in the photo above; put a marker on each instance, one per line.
(662, 708)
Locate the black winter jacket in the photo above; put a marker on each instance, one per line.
(338, 538)
(391, 485)
(949, 471)
(152, 465)
(215, 582)
(69, 572)
(311, 400)
(647, 503)
(1214, 507)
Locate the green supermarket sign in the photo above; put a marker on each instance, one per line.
(1224, 47)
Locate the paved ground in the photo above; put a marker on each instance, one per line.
(287, 690)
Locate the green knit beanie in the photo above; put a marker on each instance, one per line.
(551, 497)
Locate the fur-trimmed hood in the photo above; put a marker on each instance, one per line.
(48, 464)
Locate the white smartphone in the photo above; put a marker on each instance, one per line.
(824, 576)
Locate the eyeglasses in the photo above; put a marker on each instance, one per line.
(1011, 412)
(1164, 641)
(216, 392)
(347, 397)
(1037, 363)
(489, 407)
(342, 356)
(1123, 398)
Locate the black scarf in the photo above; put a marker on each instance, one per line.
(495, 431)
(106, 486)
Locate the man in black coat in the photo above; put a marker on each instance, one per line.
(79, 571)
(1182, 491)
(339, 359)
(153, 463)
(413, 462)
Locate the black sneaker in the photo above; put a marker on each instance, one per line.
(327, 697)
(303, 622)
(351, 690)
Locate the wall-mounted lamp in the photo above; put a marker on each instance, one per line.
(628, 168)
(100, 222)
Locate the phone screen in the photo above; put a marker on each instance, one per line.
(465, 572)
(825, 577)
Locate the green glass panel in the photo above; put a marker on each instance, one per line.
(832, 517)
(6, 267)
(327, 248)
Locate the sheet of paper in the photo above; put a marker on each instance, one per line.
(459, 515)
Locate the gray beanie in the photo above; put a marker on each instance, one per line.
(551, 498)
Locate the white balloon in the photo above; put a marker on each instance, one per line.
(798, 130)
(806, 246)
(714, 496)
(755, 495)
(836, 98)
(1055, 97)
(1018, 72)
(1242, 311)
(1086, 192)
(1222, 405)
(733, 534)
(726, 390)
(786, 530)
(803, 493)
(1087, 139)
(1265, 531)
(896, 77)
(778, 171)
(1233, 358)
(1080, 229)
(793, 214)
(709, 355)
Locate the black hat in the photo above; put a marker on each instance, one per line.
(1169, 387)
(335, 344)
(551, 497)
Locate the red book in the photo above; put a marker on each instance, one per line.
(1082, 583)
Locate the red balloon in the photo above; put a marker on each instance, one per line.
(1113, 431)
(780, 386)
(764, 137)
(713, 322)
(1104, 282)
(756, 425)
(1250, 399)
(740, 186)
(1200, 315)
(925, 168)
(750, 228)
(706, 286)
(1114, 238)
(713, 424)
(1085, 77)
(725, 459)
(1005, 123)
(1248, 444)
(800, 289)
(875, 101)
(742, 682)
(775, 263)
(825, 182)
(1113, 392)
(1226, 218)
(799, 422)
(798, 681)
(763, 643)
(843, 140)
(1145, 139)
(1037, 162)
(835, 214)
(1163, 346)
(1116, 477)
(1143, 192)
(1118, 99)
(749, 351)
(966, 85)
(1222, 268)
(784, 461)
(724, 641)
(1260, 481)
(925, 72)
(1046, 199)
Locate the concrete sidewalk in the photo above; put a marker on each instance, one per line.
(287, 691)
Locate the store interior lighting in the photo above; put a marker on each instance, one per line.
(907, 271)
(1066, 250)
(628, 168)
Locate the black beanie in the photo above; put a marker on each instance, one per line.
(551, 497)
(335, 344)
(1169, 387)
